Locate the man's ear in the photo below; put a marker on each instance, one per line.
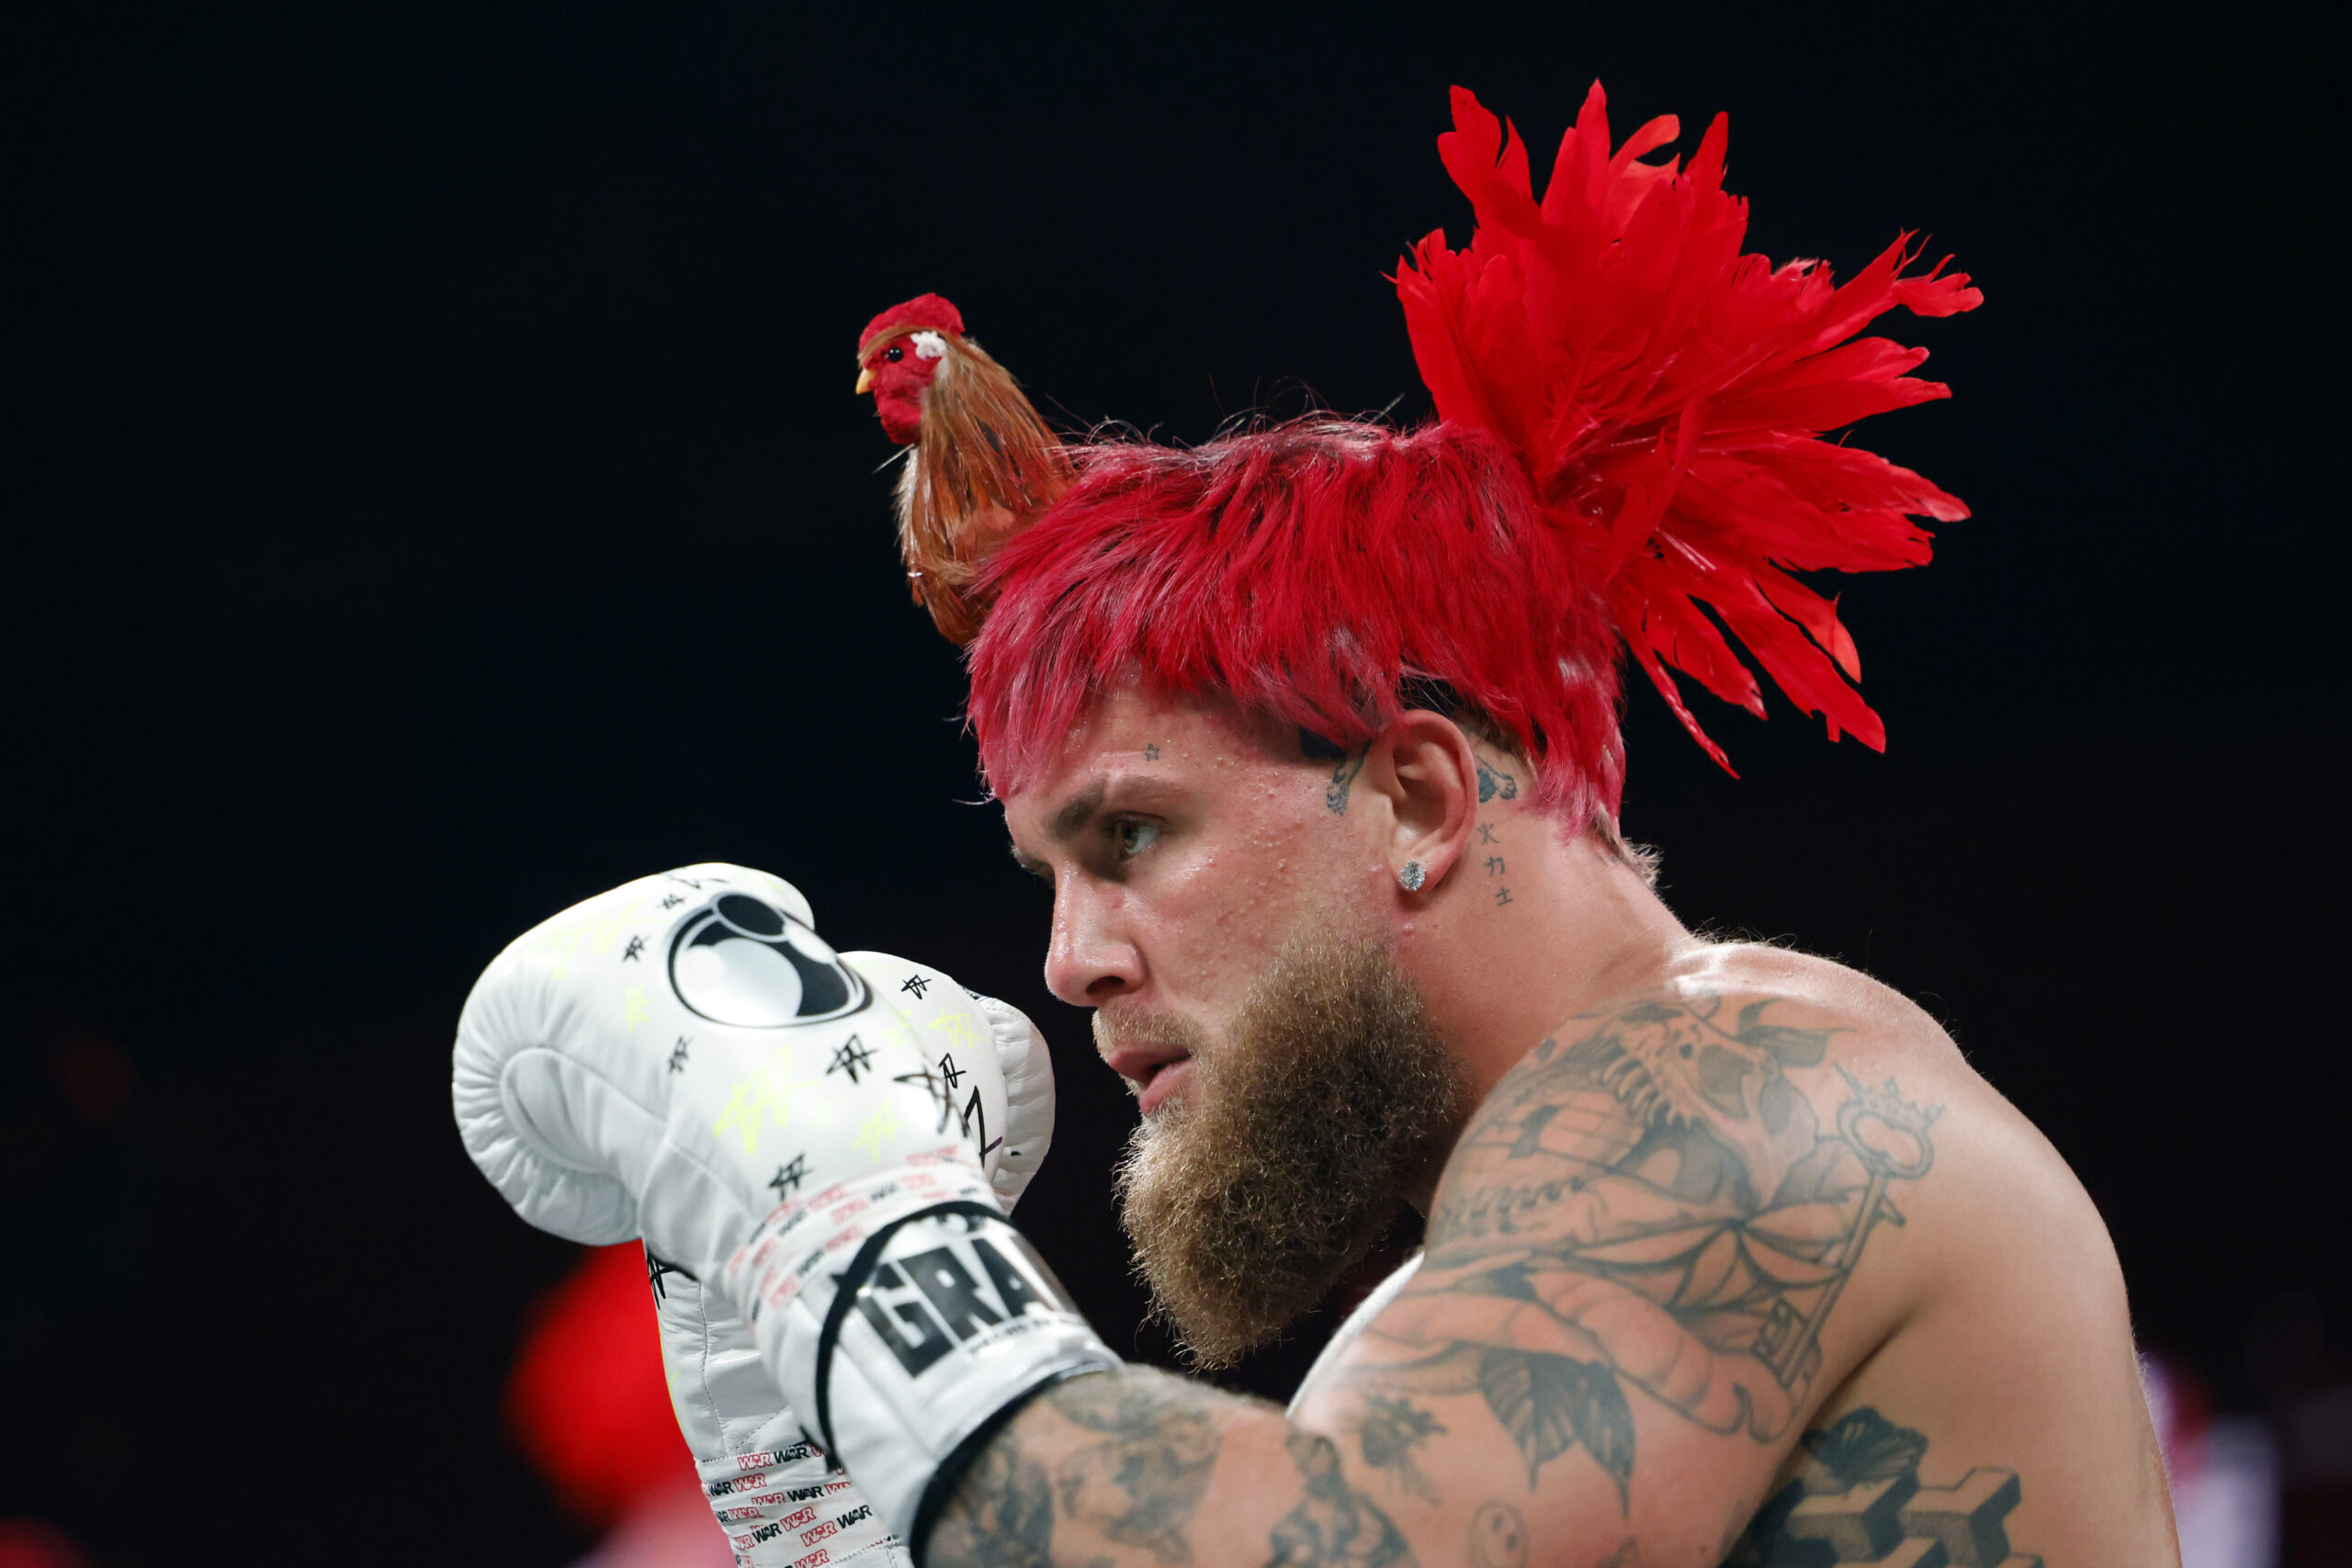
(1423, 767)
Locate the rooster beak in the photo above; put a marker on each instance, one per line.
(865, 379)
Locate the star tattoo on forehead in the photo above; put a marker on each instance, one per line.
(1151, 751)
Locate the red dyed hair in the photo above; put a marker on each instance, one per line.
(1633, 420)
(1309, 573)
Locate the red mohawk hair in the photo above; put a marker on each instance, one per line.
(1309, 573)
(1632, 420)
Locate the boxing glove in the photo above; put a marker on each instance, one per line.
(775, 1493)
(685, 1059)
(1027, 1068)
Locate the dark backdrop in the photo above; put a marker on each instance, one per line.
(438, 495)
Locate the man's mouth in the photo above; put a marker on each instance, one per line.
(1153, 1073)
(1165, 1081)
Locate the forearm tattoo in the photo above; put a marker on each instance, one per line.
(1139, 1486)
(1139, 1483)
(1333, 1523)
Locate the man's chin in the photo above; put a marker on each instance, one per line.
(1222, 1280)
(1272, 1165)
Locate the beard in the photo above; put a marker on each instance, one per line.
(1248, 1196)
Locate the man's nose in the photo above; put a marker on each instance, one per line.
(1090, 958)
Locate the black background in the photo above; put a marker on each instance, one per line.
(439, 496)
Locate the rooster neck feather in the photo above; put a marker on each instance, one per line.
(983, 465)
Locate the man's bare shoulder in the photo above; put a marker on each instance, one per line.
(1759, 1205)
(1681, 1189)
(1753, 1078)
(1874, 1037)
(1653, 1252)
(1858, 1008)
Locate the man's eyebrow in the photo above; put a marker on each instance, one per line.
(1064, 825)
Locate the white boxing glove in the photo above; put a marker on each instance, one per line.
(1027, 1067)
(1017, 1143)
(776, 1495)
(683, 1058)
(581, 1039)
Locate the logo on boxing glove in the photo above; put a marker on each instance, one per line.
(969, 1287)
(741, 961)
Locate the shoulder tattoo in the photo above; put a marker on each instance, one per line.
(1653, 1209)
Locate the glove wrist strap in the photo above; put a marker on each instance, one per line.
(939, 1317)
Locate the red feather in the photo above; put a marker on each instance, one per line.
(1668, 394)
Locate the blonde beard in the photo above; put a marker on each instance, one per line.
(1283, 1162)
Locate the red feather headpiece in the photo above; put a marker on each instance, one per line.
(1633, 416)
(1668, 396)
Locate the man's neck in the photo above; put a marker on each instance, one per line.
(1530, 932)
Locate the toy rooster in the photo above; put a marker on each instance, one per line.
(980, 463)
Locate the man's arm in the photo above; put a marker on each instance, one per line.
(1139, 1467)
(1607, 1351)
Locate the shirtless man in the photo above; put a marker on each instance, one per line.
(1729, 1256)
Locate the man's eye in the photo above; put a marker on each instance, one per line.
(1133, 838)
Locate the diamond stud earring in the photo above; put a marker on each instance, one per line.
(1412, 877)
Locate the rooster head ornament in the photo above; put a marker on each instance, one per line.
(980, 464)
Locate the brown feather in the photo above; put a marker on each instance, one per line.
(983, 469)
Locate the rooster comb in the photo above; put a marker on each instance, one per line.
(923, 312)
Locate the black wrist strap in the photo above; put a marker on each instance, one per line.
(852, 1279)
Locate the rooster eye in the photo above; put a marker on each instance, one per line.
(894, 353)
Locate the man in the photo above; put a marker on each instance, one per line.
(1729, 1256)
(1727, 1247)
